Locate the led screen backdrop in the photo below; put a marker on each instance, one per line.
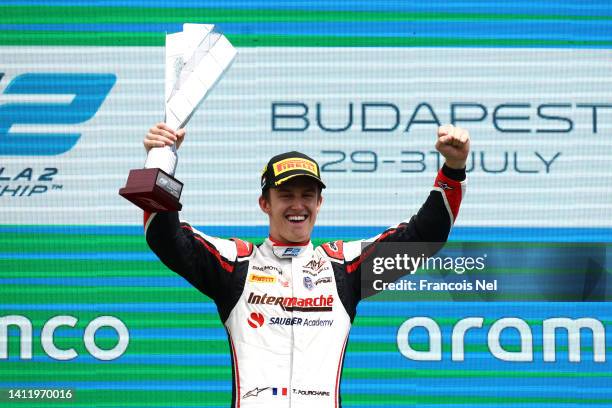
(362, 88)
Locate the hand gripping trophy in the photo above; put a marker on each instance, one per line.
(196, 58)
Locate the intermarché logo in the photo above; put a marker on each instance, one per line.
(321, 303)
(88, 90)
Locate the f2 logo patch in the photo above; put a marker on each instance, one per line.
(89, 92)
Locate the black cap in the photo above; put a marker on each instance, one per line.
(288, 165)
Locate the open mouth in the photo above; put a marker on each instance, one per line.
(296, 219)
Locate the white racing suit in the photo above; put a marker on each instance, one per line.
(288, 309)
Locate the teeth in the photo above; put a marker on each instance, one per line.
(296, 217)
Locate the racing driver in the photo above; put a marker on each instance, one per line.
(286, 305)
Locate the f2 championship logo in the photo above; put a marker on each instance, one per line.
(85, 93)
(89, 92)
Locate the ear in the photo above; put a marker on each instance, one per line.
(320, 202)
(264, 204)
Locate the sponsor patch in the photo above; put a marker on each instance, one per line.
(276, 391)
(444, 186)
(255, 320)
(261, 278)
(315, 393)
(283, 282)
(254, 392)
(325, 279)
(291, 251)
(315, 264)
(308, 284)
(266, 268)
(291, 303)
(293, 164)
(299, 321)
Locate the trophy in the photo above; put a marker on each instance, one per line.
(196, 58)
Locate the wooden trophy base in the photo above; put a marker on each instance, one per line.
(153, 190)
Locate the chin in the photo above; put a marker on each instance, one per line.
(299, 239)
(297, 235)
(296, 238)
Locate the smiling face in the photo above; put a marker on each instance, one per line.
(292, 209)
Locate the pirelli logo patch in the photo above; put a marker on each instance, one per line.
(293, 164)
(262, 278)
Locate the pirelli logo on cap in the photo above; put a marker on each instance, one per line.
(294, 164)
(262, 279)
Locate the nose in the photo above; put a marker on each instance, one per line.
(297, 204)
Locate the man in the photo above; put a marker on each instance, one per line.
(288, 307)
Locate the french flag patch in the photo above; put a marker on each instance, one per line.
(279, 391)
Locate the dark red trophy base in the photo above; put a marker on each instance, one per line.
(153, 190)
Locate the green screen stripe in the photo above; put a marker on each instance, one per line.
(381, 373)
(40, 243)
(30, 268)
(169, 398)
(72, 238)
(204, 320)
(373, 400)
(100, 291)
(71, 243)
(14, 294)
(358, 347)
(85, 369)
(93, 233)
(173, 347)
(441, 321)
(173, 322)
(507, 271)
(20, 268)
(80, 15)
(95, 374)
(136, 320)
(49, 268)
(136, 346)
(213, 372)
(121, 398)
(46, 38)
(88, 296)
(139, 238)
(94, 272)
(518, 245)
(401, 296)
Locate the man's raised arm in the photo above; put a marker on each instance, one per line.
(430, 225)
(206, 262)
(435, 218)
